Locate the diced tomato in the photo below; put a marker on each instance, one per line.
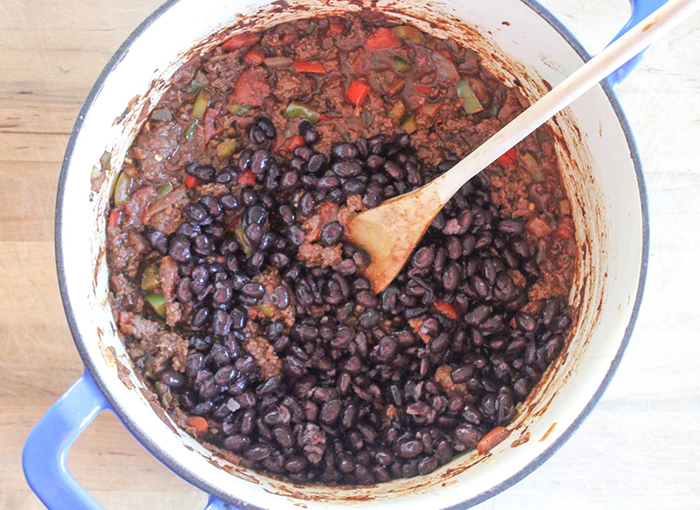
(417, 100)
(246, 178)
(445, 309)
(252, 87)
(191, 181)
(254, 57)
(239, 41)
(124, 319)
(323, 118)
(114, 218)
(294, 142)
(423, 89)
(566, 228)
(357, 92)
(198, 423)
(335, 27)
(508, 159)
(209, 126)
(382, 39)
(307, 66)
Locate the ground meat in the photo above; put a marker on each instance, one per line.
(316, 255)
(155, 147)
(126, 248)
(268, 362)
(290, 86)
(167, 347)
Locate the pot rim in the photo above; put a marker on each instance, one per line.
(185, 473)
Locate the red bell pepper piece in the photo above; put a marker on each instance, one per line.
(335, 27)
(357, 92)
(209, 126)
(114, 218)
(445, 309)
(508, 159)
(254, 57)
(423, 89)
(239, 41)
(191, 181)
(382, 39)
(246, 178)
(294, 142)
(307, 66)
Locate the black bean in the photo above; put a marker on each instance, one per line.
(307, 203)
(511, 227)
(227, 175)
(394, 170)
(560, 324)
(427, 465)
(409, 449)
(171, 378)
(331, 233)
(257, 452)
(289, 180)
(221, 322)
(372, 197)
(368, 319)
(452, 277)
(239, 317)
(296, 235)
(179, 249)
(260, 162)
(204, 173)
(479, 286)
(255, 262)
(462, 374)
(304, 152)
(183, 291)
(552, 348)
(253, 235)
(253, 290)
(256, 134)
(282, 297)
(347, 168)
(525, 321)
(330, 411)
(468, 435)
(388, 347)
(423, 257)
(374, 162)
(229, 202)
(477, 315)
(157, 240)
(267, 127)
(307, 132)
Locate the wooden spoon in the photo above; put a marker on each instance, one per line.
(391, 231)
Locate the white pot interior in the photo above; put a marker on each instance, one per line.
(599, 174)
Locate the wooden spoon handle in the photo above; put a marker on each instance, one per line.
(633, 42)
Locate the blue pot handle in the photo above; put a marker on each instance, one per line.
(46, 449)
(640, 10)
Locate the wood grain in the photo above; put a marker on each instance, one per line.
(638, 449)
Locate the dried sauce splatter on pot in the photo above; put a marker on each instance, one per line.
(246, 311)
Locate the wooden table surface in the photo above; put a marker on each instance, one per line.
(640, 447)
